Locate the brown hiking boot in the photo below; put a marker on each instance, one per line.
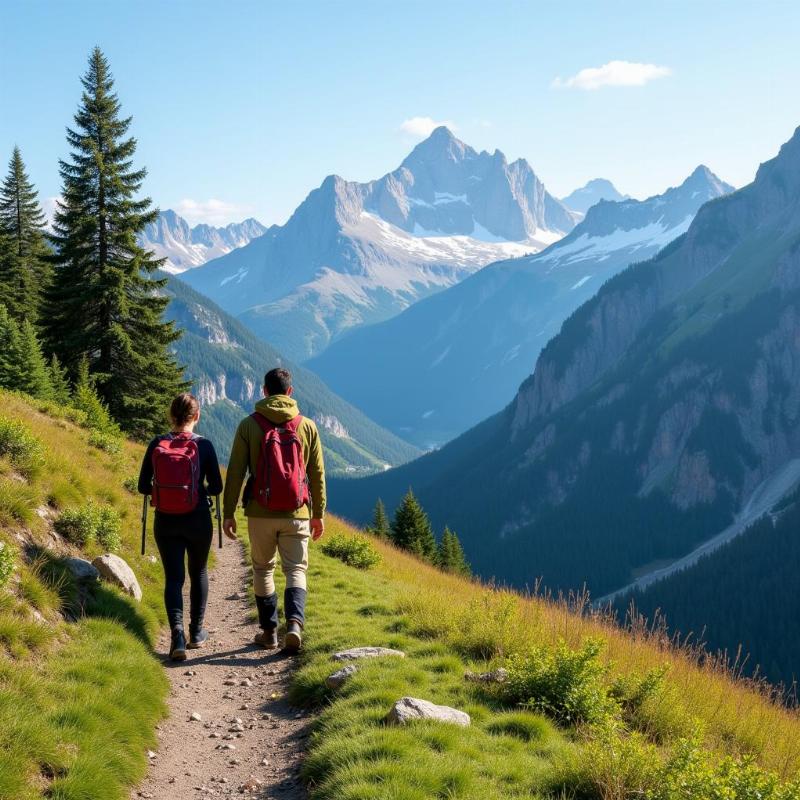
(267, 639)
(294, 637)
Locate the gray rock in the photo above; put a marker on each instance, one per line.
(356, 653)
(81, 569)
(499, 675)
(116, 570)
(339, 678)
(409, 709)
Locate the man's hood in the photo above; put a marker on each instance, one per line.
(278, 408)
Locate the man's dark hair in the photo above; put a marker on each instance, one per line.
(278, 381)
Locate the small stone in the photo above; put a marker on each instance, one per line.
(409, 709)
(226, 746)
(213, 735)
(236, 721)
(117, 571)
(229, 682)
(227, 696)
(195, 717)
(339, 678)
(264, 762)
(499, 675)
(151, 754)
(246, 682)
(356, 653)
(236, 728)
(81, 569)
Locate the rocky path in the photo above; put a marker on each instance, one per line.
(231, 731)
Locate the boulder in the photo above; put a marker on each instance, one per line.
(356, 653)
(499, 675)
(338, 678)
(81, 569)
(409, 709)
(116, 570)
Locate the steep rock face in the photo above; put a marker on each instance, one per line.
(171, 237)
(476, 342)
(666, 409)
(356, 253)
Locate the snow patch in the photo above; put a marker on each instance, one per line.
(581, 282)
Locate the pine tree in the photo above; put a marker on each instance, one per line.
(85, 399)
(380, 522)
(24, 266)
(59, 384)
(450, 554)
(9, 349)
(411, 529)
(103, 303)
(32, 373)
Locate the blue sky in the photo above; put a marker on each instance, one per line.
(241, 108)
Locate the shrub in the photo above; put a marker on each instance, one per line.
(131, 484)
(355, 552)
(109, 528)
(567, 685)
(106, 441)
(21, 447)
(17, 502)
(91, 522)
(7, 563)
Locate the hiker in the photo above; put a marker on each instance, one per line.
(284, 502)
(180, 472)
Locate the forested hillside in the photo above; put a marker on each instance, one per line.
(225, 364)
(749, 586)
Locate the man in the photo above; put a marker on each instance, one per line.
(264, 447)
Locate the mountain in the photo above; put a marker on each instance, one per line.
(226, 364)
(664, 409)
(473, 344)
(356, 253)
(597, 189)
(171, 237)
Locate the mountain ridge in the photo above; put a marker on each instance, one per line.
(357, 253)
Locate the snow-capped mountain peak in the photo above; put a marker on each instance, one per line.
(185, 247)
(597, 189)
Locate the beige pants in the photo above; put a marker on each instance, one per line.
(270, 536)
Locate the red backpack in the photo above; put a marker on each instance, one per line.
(176, 474)
(280, 482)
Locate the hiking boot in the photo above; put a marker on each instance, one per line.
(294, 636)
(177, 647)
(198, 638)
(268, 639)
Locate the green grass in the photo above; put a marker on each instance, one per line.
(79, 700)
(643, 740)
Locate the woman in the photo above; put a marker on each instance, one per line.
(181, 472)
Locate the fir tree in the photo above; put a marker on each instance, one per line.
(9, 349)
(24, 264)
(380, 522)
(103, 303)
(411, 529)
(59, 384)
(32, 374)
(85, 399)
(450, 554)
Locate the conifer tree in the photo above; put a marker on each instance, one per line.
(450, 554)
(380, 522)
(103, 303)
(24, 266)
(59, 384)
(85, 399)
(32, 373)
(9, 349)
(411, 529)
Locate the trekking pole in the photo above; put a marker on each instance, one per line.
(219, 523)
(144, 521)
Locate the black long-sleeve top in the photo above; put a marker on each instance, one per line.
(210, 477)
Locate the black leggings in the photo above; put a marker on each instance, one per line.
(175, 546)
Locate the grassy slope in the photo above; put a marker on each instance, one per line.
(447, 625)
(79, 701)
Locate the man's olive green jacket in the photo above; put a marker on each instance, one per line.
(246, 449)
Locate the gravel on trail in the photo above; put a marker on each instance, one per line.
(231, 731)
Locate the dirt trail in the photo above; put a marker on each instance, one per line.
(248, 741)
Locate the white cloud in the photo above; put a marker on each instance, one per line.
(211, 211)
(421, 127)
(49, 208)
(614, 73)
